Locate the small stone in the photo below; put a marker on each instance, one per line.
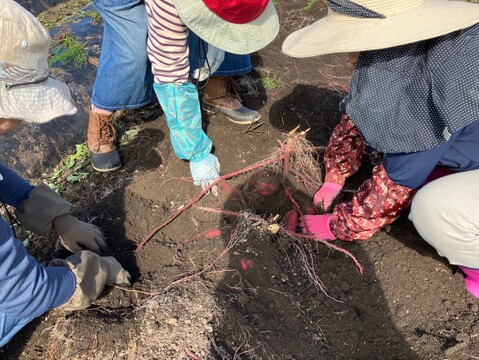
(345, 286)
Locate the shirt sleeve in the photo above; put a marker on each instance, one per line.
(167, 43)
(27, 288)
(13, 188)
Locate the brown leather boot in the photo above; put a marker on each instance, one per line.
(218, 97)
(101, 138)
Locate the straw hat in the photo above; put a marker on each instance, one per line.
(236, 26)
(362, 25)
(26, 91)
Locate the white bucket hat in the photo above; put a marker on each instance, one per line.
(362, 25)
(235, 26)
(26, 91)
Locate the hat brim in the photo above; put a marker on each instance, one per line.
(338, 33)
(233, 38)
(36, 103)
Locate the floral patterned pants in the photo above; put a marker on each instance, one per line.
(377, 202)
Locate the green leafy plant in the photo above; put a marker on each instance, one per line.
(95, 16)
(129, 135)
(310, 5)
(48, 23)
(270, 81)
(74, 164)
(69, 51)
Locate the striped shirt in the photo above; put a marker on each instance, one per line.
(167, 42)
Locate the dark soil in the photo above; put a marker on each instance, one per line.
(245, 294)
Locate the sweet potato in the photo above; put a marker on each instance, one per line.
(290, 220)
(264, 182)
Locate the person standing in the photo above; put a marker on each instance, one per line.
(226, 25)
(124, 79)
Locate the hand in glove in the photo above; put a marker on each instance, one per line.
(206, 172)
(92, 272)
(44, 210)
(214, 58)
(76, 235)
(317, 225)
(324, 197)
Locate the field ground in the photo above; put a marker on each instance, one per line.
(243, 292)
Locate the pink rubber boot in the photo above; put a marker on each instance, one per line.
(324, 197)
(317, 225)
(472, 280)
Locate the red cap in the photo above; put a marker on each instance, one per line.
(237, 11)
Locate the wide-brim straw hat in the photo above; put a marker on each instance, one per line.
(403, 22)
(232, 31)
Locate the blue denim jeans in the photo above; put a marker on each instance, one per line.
(124, 79)
(10, 326)
(232, 65)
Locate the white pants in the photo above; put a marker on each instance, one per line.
(445, 212)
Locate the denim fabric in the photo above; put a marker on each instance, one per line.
(9, 326)
(232, 65)
(460, 153)
(183, 115)
(124, 79)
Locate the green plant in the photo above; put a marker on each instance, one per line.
(310, 5)
(129, 135)
(69, 51)
(48, 23)
(270, 81)
(95, 16)
(62, 13)
(74, 164)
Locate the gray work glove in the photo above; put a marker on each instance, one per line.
(45, 210)
(92, 272)
(76, 235)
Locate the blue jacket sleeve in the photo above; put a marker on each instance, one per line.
(27, 288)
(13, 188)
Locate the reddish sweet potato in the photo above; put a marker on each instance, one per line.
(290, 220)
(309, 209)
(264, 182)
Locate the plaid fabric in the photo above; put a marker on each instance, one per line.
(413, 97)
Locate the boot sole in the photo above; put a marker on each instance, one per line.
(212, 109)
(104, 170)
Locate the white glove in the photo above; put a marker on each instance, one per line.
(206, 172)
(215, 58)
